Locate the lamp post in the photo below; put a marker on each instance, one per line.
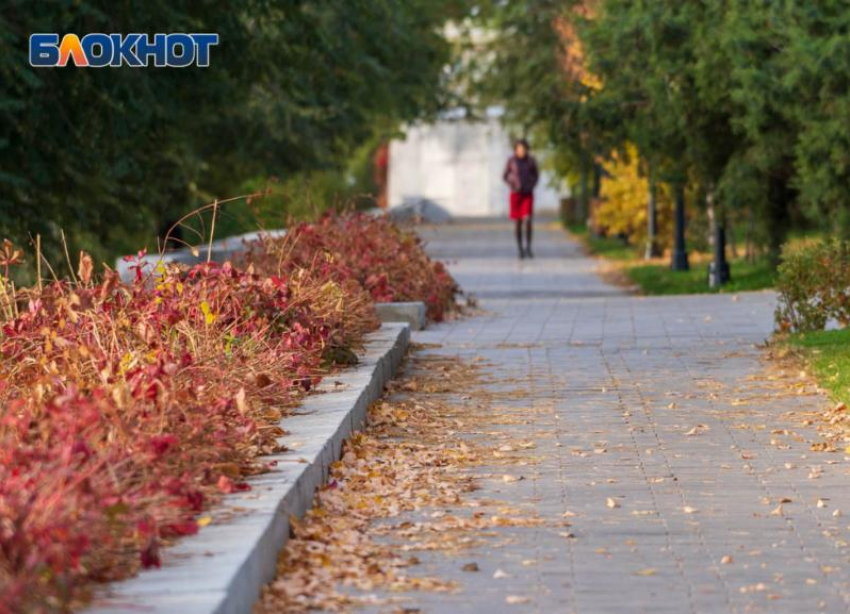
(680, 256)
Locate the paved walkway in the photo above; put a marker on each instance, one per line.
(658, 435)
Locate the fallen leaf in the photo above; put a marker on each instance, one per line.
(726, 560)
(754, 588)
(499, 575)
(470, 567)
(516, 600)
(699, 428)
(612, 503)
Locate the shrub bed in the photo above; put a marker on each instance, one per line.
(128, 408)
(384, 259)
(813, 283)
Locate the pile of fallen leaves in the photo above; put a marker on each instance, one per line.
(412, 461)
(387, 261)
(397, 465)
(127, 408)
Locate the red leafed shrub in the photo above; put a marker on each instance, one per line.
(384, 259)
(125, 409)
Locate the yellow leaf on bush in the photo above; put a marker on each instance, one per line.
(209, 316)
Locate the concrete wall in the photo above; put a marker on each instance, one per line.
(457, 164)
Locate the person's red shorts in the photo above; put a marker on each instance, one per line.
(522, 205)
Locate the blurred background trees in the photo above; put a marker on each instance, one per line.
(303, 91)
(740, 108)
(744, 105)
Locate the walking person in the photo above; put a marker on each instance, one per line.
(521, 175)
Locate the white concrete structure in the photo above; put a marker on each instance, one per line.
(457, 164)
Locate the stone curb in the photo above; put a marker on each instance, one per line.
(223, 569)
(412, 312)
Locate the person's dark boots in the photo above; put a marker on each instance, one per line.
(528, 253)
(528, 238)
(519, 239)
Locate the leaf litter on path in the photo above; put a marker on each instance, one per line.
(401, 487)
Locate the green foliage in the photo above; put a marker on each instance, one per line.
(659, 279)
(613, 248)
(744, 101)
(293, 87)
(827, 352)
(816, 74)
(530, 68)
(641, 52)
(300, 196)
(814, 287)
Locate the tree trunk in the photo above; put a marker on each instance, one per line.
(709, 213)
(779, 198)
(584, 196)
(652, 250)
(718, 271)
(733, 240)
(751, 231)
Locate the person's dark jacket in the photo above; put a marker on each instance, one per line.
(521, 174)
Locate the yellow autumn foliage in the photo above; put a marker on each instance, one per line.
(622, 208)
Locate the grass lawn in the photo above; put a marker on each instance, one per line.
(655, 277)
(828, 355)
(607, 247)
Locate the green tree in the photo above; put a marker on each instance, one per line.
(535, 68)
(815, 67)
(742, 101)
(642, 51)
(753, 35)
(294, 85)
